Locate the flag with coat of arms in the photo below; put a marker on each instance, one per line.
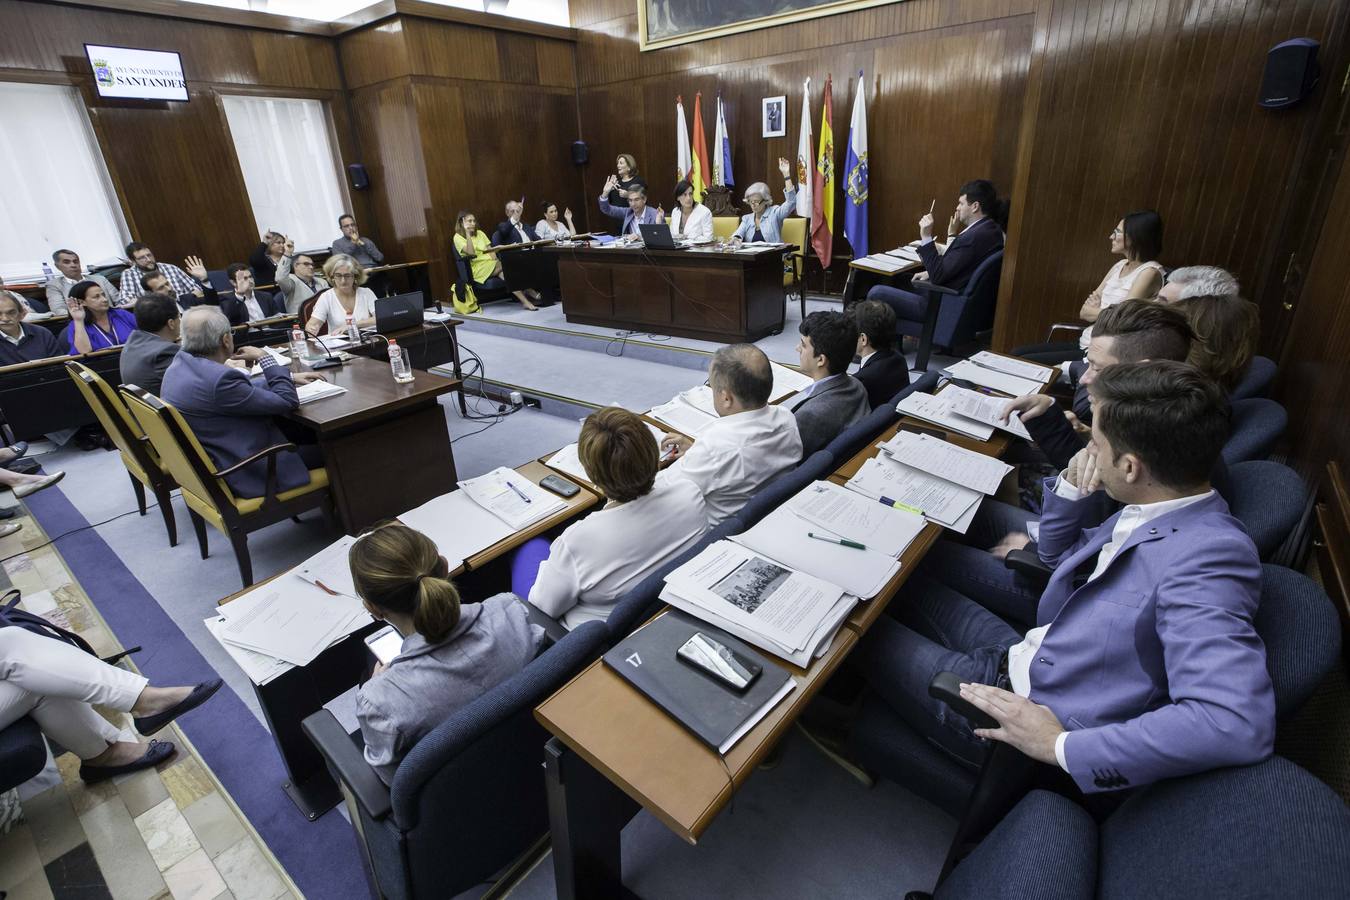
(855, 175)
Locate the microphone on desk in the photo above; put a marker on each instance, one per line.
(329, 361)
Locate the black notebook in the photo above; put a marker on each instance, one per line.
(715, 714)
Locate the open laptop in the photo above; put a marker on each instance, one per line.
(398, 312)
(658, 236)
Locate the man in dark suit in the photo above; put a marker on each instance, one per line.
(158, 283)
(530, 271)
(246, 304)
(973, 233)
(150, 349)
(20, 343)
(231, 415)
(513, 230)
(834, 400)
(884, 370)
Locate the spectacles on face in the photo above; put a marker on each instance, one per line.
(343, 276)
(1117, 232)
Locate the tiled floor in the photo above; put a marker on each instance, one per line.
(170, 832)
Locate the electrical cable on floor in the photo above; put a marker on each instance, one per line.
(66, 534)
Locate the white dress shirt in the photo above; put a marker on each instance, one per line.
(698, 228)
(329, 309)
(599, 559)
(1020, 656)
(738, 454)
(551, 231)
(254, 308)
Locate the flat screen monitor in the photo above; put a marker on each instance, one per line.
(126, 73)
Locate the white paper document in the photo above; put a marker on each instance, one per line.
(907, 253)
(701, 399)
(259, 667)
(936, 408)
(1020, 367)
(328, 569)
(941, 501)
(511, 497)
(786, 381)
(883, 262)
(291, 619)
(459, 527)
(317, 390)
(784, 535)
(955, 464)
(682, 417)
(568, 462)
(1012, 385)
(847, 514)
(983, 408)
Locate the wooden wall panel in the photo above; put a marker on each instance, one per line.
(386, 122)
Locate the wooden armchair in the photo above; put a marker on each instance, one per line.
(208, 497)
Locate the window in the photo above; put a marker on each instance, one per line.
(54, 188)
(285, 148)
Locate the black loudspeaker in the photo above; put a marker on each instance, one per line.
(359, 179)
(581, 154)
(1291, 73)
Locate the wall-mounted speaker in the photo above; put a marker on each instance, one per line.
(360, 180)
(1291, 73)
(581, 154)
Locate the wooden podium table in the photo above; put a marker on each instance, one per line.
(706, 294)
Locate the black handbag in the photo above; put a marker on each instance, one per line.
(12, 616)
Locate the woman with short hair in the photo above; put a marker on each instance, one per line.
(549, 228)
(691, 220)
(643, 524)
(764, 222)
(452, 651)
(345, 299)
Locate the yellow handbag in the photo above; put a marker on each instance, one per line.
(466, 306)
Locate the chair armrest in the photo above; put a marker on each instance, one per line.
(553, 629)
(1028, 563)
(270, 451)
(1074, 327)
(347, 764)
(270, 485)
(946, 686)
(929, 287)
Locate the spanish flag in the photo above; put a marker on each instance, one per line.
(822, 215)
(699, 176)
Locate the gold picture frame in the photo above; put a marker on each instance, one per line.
(701, 19)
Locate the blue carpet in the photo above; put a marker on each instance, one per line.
(321, 857)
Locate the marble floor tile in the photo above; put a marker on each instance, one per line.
(83, 797)
(76, 876)
(248, 873)
(56, 828)
(227, 895)
(19, 859)
(167, 834)
(34, 888)
(187, 781)
(194, 878)
(142, 791)
(127, 866)
(216, 825)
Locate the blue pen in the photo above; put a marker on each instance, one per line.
(896, 504)
(519, 492)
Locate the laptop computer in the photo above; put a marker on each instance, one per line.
(398, 312)
(658, 236)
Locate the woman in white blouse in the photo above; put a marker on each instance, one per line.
(691, 221)
(550, 229)
(644, 524)
(345, 298)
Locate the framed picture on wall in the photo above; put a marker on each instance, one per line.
(665, 23)
(773, 116)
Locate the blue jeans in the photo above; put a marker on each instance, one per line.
(908, 306)
(935, 629)
(965, 564)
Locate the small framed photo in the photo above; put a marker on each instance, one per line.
(774, 116)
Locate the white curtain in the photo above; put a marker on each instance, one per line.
(54, 188)
(285, 149)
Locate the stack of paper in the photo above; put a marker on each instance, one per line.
(318, 390)
(514, 499)
(289, 619)
(972, 405)
(949, 505)
(459, 527)
(786, 381)
(883, 262)
(335, 341)
(955, 464)
(1013, 385)
(778, 609)
(936, 408)
(682, 416)
(701, 399)
(908, 253)
(1020, 367)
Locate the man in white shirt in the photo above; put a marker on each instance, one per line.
(68, 274)
(750, 444)
(246, 304)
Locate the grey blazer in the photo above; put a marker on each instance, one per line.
(145, 359)
(296, 291)
(427, 683)
(833, 404)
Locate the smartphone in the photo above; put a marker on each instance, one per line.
(720, 662)
(385, 644)
(560, 486)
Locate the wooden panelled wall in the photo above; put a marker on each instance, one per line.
(173, 164)
(1081, 110)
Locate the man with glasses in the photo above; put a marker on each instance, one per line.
(157, 283)
(143, 264)
(68, 274)
(638, 212)
(363, 250)
(296, 278)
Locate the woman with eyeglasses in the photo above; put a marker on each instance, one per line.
(346, 298)
(764, 222)
(267, 256)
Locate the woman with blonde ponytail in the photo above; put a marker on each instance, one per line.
(451, 653)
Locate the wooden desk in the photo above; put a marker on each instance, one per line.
(376, 435)
(709, 295)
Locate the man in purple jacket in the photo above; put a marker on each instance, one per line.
(1144, 663)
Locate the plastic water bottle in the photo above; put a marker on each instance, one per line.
(353, 333)
(47, 272)
(399, 364)
(299, 350)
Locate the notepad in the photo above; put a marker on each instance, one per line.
(458, 526)
(978, 407)
(937, 409)
(512, 497)
(682, 417)
(1012, 385)
(949, 505)
(318, 390)
(1020, 367)
(948, 461)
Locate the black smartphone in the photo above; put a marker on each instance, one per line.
(558, 485)
(719, 662)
